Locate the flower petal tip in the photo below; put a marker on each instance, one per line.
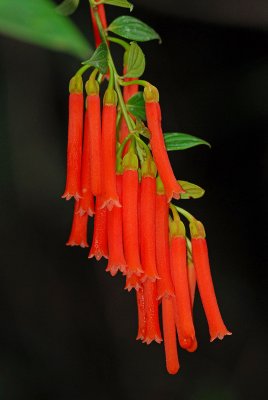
(220, 335)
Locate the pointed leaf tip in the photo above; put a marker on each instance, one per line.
(182, 141)
(99, 58)
(119, 3)
(133, 29)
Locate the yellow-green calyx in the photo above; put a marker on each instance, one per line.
(159, 186)
(148, 168)
(176, 228)
(197, 229)
(151, 94)
(76, 84)
(130, 160)
(92, 87)
(110, 97)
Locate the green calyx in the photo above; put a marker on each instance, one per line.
(176, 228)
(92, 86)
(151, 94)
(148, 168)
(130, 160)
(110, 97)
(76, 84)
(197, 229)
(160, 186)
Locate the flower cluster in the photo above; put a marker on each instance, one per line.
(118, 172)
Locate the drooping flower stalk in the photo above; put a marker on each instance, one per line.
(170, 340)
(78, 235)
(141, 313)
(178, 260)
(164, 284)
(75, 137)
(115, 235)
(94, 133)
(109, 192)
(87, 199)
(147, 217)
(152, 331)
(130, 212)
(153, 114)
(191, 272)
(217, 328)
(99, 247)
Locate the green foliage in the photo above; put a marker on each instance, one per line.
(38, 22)
(119, 3)
(67, 7)
(99, 59)
(136, 106)
(191, 190)
(133, 29)
(182, 141)
(135, 61)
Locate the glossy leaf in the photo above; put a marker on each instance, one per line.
(133, 29)
(38, 22)
(136, 106)
(191, 190)
(119, 3)
(135, 61)
(182, 141)
(67, 7)
(99, 58)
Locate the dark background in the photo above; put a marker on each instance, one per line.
(67, 328)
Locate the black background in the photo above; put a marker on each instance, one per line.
(67, 328)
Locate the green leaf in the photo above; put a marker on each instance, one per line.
(133, 29)
(99, 58)
(135, 61)
(191, 190)
(136, 106)
(119, 3)
(182, 141)
(38, 22)
(67, 7)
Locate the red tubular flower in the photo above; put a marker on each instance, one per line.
(186, 331)
(78, 236)
(191, 280)
(115, 235)
(152, 331)
(109, 193)
(94, 135)
(75, 135)
(147, 217)
(170, 340)
(99, 246)
(141, 314)
(87, 200)
(164, 284)
(217, 328)
(130, 213)
(153, 114)
(133, 282)
(102, 15)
